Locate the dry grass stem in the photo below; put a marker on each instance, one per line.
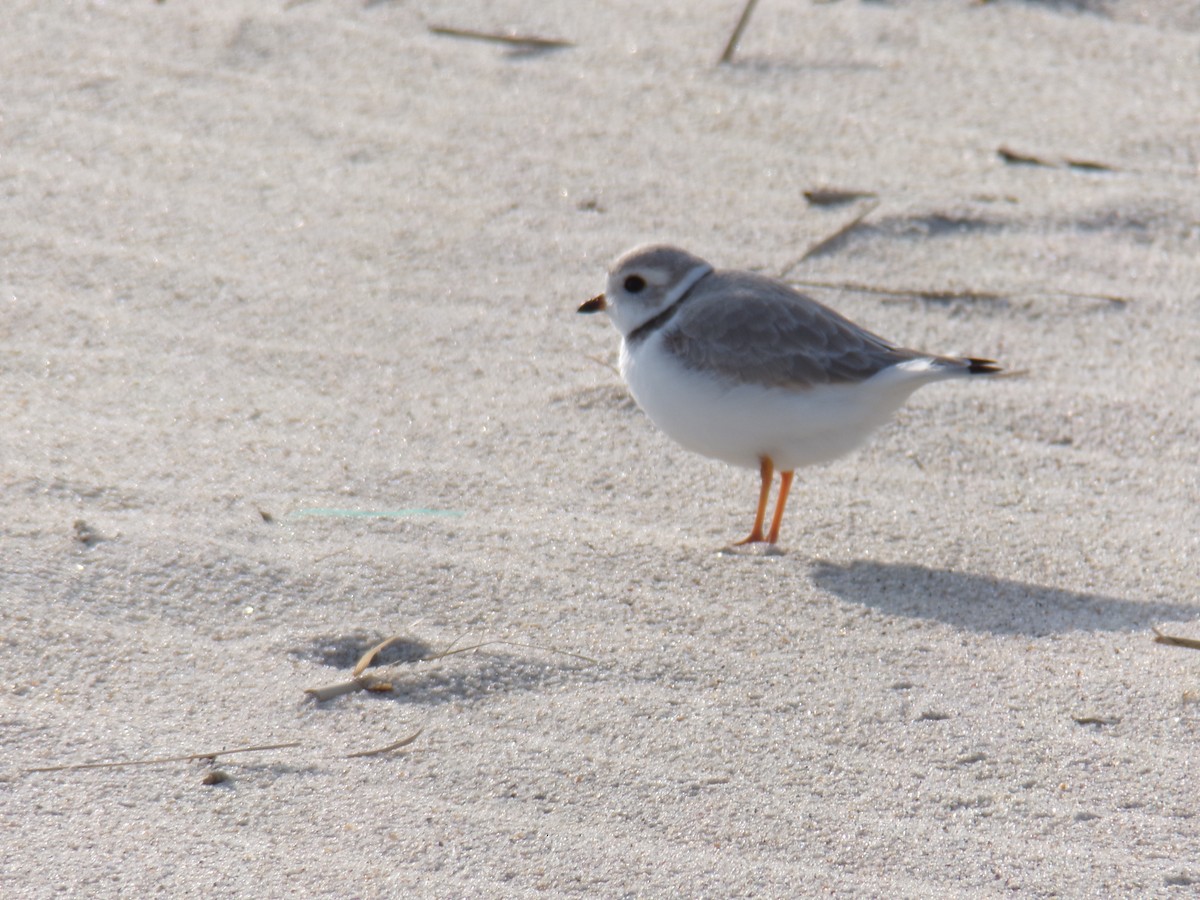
(1172, 641)
(555, 650)
(403, 742)
(867, 208)
(364, 661)
(1019, 158)
(157, 761)
(743, 21)
(836, 196)
(948, 294)
(362, 681)
(519, 41)
(602, 362)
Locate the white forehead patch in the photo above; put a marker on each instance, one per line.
(659, 276)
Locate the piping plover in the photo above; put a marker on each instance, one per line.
(745, 369)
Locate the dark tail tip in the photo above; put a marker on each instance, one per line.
(983, 366)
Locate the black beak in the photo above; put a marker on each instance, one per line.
(596, 304)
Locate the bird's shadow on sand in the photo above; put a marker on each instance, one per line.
(984, 604)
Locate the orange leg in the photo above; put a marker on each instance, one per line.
(766, 470)
(785, 485)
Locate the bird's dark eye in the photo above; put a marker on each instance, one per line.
(635, 284)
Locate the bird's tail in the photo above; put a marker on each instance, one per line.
(982, 366)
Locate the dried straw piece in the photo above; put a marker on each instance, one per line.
(867, 208)
(1172, 641)
(743, 21)
(519, 41)
(942, 295)
(403, 742)
(367, 658)
(165, 759)
(362, 681)
(836, 196)
(1020, 158)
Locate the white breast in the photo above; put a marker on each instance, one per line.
(740, 423)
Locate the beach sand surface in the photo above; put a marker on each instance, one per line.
(291, 365)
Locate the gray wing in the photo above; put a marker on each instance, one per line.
(754, 329)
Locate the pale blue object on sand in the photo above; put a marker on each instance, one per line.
(372, 513)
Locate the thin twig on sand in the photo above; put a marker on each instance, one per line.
(743, 21)
(867, 208)
(1020, 158)
(942, 295)
(1172, 641)
(364, 681)
(403, 742)
(518, 41)
(836, 196)
(165, 759)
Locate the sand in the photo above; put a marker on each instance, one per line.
(291, 365)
